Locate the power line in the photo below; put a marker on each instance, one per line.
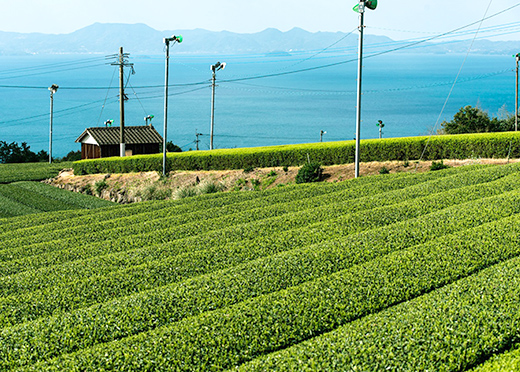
(454, 83)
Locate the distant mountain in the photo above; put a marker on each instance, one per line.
(141, 39)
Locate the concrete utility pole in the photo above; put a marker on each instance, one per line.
(167, 41)
(122, 62)
(360, 72)
(122, 102)
(216, 67)
(360, 8)
(53, 89)
(516, 96)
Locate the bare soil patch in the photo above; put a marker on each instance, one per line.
(136, 187)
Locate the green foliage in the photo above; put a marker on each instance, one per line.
(72, 156)
(170, 147)
(209, 187)
(310, 172)
(384, 170)
(100, 186)
(507, 362)
(30, 171)
(185, 192)
(14, 153)
(463, 146)
(154, 192)
(272, 173)
(473, 120)
(438, 165)
(256, 184)
(249, 169)
(421, 275)
(21, 198)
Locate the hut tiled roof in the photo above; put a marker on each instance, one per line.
(133, 135)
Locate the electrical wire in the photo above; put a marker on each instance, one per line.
(422, 41)
(51, 66)
(453, 86)
(106, 97)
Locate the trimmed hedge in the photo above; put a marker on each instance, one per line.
(463, 146)
(507, 362)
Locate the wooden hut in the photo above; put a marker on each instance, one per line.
(103, 142)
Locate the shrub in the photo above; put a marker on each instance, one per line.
(438, 165)
(310, 172)
(384, 170)
(249, 169)
(209, 187)
(99, 186)
(256, 184)
(185, 192)
(153, 192)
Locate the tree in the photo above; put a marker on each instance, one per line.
(170, 147)
(472, 120)
(14, 153)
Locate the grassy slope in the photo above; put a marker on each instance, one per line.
(28, 197)
(20, 197)
(30, 171)
(399, 271)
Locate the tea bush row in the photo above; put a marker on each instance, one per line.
(148, 310)
(377, 200)
(230, 336)
(179, 214)
(69, 291)
(30, 171)
(462, 146)
(451, 329)
(53, 239)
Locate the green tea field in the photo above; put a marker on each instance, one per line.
(27, 196)
(398, 272)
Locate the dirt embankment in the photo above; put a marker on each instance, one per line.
(136, 187)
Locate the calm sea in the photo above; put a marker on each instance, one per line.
(406, 91)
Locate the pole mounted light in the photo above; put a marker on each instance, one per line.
(148, 119)
(53, 89)
(322, 132)
(360, 8)
(167, 40)
(381, 125)
(214, 68)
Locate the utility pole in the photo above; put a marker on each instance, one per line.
(217, 66)
(321, 135)
(360, 72)
(197, 134)
(360, 8)
(167, 41)
(516, 96)
(53, 89)
(122, 62)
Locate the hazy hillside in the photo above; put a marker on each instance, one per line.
(142, 39)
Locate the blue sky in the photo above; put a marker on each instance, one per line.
(396, 19)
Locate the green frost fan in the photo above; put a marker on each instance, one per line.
(370, 4)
